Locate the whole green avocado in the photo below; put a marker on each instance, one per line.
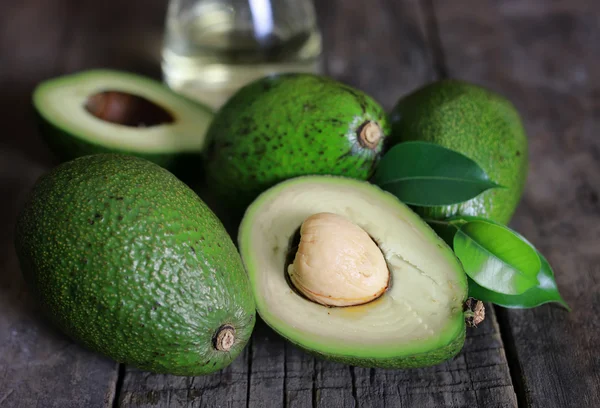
(478, 123)
(128, 261)
(288, 125)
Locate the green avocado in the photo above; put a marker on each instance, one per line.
(104, 111)
(128, 261)
(478, 123)
(417, 321)
(289, 125)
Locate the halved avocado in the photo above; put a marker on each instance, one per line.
(100, 111)
(418, 321)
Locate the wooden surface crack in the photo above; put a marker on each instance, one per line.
(6, 395)
(249, 375)
(516, 374)
(118, 386)
(314, 395)
(354, 392)
(285, 375)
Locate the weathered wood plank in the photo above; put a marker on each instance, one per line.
(478, 376)
(378, 46)
(114, 34)
(386, 57)
(300, 378)
(543, 55)
(266, 369)
(38, 366)
(227, 388)
(131, 40)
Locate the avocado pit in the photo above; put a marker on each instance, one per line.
(127, 109)
(337, 263)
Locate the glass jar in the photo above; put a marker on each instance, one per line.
(214, 47)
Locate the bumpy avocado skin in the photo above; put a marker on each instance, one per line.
(128, 261)
(432, 357)
(289, 125)
(478, 123)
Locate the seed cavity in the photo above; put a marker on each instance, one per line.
(126, 109)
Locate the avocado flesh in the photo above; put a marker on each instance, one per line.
(478, 123)
(128, 261)
(289, 125)
(419, 320)
(72, 131)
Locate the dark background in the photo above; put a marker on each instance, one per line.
(541, 54)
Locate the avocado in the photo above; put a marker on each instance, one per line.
(347, 272)
(128, 261)
(288, 125)
(104, 111)
(478, 123)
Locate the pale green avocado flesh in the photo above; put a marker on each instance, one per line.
(102, 111)
(417, 322)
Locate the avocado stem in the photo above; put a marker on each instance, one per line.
(224, 338)
(474, 312)
(369, 134)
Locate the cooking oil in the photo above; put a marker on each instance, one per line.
(215, 47)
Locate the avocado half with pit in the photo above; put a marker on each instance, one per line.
(347, 272)
(101, 111)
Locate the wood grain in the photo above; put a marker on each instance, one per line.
(227, 388)
(278, 374)
(541, 54)
(478, 376)
(544, 57)
(378, 46)
(38, 40)
(38, 366)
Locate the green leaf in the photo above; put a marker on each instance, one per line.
(545, 292)
(426, 174)
(495, 257)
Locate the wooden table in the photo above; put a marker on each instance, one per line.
(544, 55)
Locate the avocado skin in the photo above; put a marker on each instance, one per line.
(430, 358)
(288, 125)
(478, 123)
(129, 262)
(66, 146)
